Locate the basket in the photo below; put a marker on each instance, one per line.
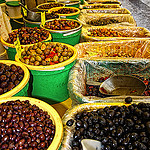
(129, 32)
(97, 6)
(122, 19)
(22, 87)
(68, 16)
(70, 114)
(107, 11)
(123, 49)
(53, 114)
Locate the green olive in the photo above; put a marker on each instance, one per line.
(35, 47)
(46, 51)
(36, 63)
(61, 59)
(64, 54)
(32, 59)
(39, 44)
(22, 60)
(33, 54)
(38, 51)
(55, 58)
(43, 63)
(28, 52)
(23, 53)
(27, 61)
(26, 48)
(42, 56)
(70, 54)
(65, 58)
(31, 63)
(59, 49)
(59, 54)
(38, 58)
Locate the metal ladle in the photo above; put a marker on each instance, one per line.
(33, 16)
(121, 85)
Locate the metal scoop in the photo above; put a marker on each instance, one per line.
(89, 144)
(33, 16)
(121, 85)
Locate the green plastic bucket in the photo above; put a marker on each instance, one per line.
(51, 86)
(71, 37)
(72, 4)
(67, 16)
(28, 23)
(22, 88)
(11, 50)
(49, 83)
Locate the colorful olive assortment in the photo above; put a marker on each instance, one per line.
(44, 54)
(116, 127)
(28, 35)
(99, 6)
(105, 2)
(102, 21)
(93, 90)
(25, 126)
(106, 32)
(61, 24)
(65, 11)
(50, 5)
(10, 77)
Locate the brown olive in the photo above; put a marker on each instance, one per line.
(55, 58)
(23, 53)
(44, 63)
(3, 84)
(61, 59)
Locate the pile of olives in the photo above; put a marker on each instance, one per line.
(28, 35)
(65, 11)
(61, 24)
(24, 126)
(102, 21)
(10, 77)
(51, 15)
(116, 127)
(50, 5)
(44, 54)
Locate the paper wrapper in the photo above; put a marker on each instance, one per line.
(70, 114)
(124, 33)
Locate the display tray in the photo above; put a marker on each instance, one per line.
(96, 6)
(98, 71)
(94, 19)
(91, 34)
(107, 11)
(69, 131)
(122, 49)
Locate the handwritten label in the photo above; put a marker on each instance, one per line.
(43, 18)
(18, 47)
(24, 11)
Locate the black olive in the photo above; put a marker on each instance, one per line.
(70, 122)
(128, 100)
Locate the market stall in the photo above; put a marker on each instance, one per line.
(77, 75)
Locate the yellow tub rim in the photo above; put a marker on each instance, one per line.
(50, 67)
(22, 84)
(51, 111)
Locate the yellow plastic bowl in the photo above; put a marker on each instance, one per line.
(22, 84)
(67, 62)
(13, 46)
(71, 14)
(53, 114)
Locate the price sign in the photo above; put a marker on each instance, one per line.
(18, 47)
(25, 11)
(43, 18)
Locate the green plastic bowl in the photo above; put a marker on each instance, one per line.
(49, 83)
(71, 37)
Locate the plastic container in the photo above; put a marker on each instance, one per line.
(107, 11)
(3, 55)
(40, 9)
(49, 83)
(16, 23)
(53, 115)
(3, 6)
(129, 33)
(11, 50)
(14, 9)
(71, 37)
(22, 88)
(68, 16)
